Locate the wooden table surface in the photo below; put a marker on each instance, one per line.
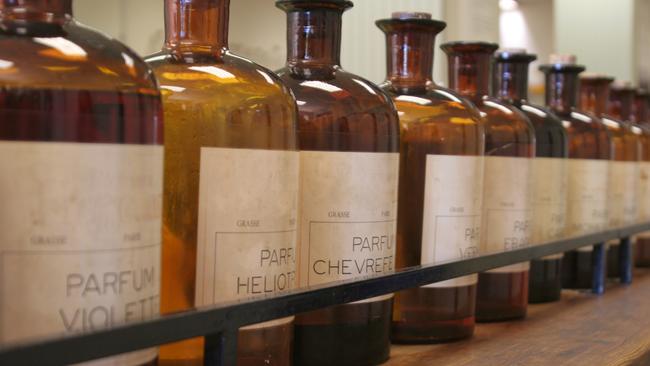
(581, 329)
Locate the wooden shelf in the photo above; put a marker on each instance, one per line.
(581, 329)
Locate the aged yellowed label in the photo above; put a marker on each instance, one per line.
(247, 228)
(452, 211)
(550, 185)
(644, 191)
(348, 215)
(507, 207)
(79, 239)
(623, 188)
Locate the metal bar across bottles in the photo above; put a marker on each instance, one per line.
(219, 323)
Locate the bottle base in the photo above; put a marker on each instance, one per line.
(642, 254)
(440, 314)
(545, 280)
(501, 296)
(577, 270)
(613, 265)
(355, 334)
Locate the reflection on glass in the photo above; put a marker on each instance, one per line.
(441, 167)
(507, 200)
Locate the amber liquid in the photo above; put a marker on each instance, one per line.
(613, 257)
(204, 110)
(577, 269)
(545, 280)
(642, 253)
(502, 296)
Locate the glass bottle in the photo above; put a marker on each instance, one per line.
(589, 152)
(550, 171)
(642, 118)
(80, 178)
(507, 205)
(349, 161)
(231, 180)
(623, 170)
(441, 173)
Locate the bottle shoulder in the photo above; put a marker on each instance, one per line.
(69, 55)
(336, 91)
(207, 78)
(500, 115)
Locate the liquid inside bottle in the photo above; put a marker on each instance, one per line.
(349, 142)
(441, 174)
(550, 171)
(589, 152)
(231, 181)
(507, 199)
(623, 169)
(80, 179)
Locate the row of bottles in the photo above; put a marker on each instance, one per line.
(274, 181)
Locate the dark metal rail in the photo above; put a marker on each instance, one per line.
(219, 323)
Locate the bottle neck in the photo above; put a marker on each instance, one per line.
(409, 58)
(469, 73)
(314, 37)
(641, 109)
(35, 9)
(621, 104)
(511, 81)
(196, 24)
(594, 95)
(561, 92)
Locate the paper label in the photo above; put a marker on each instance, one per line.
(348, 215)
(549, 201)
(623, 184)
(80, 230)
(507, 207)
(452, 212)
(247, 226)
(587, 198)
(644, 191)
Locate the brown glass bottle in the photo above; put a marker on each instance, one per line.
(231, 124)
(507, 200)
(80, 129)
(623, 172)
(641, 117)
(441, 173)
(550, 171)
(348, 136)
(589, 152)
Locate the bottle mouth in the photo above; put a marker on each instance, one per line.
(514, 55)
(415, 21)
(596, 78)
(302, 5)
(458, 47)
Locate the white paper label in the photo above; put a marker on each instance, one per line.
(623, 183)
(587, 197)
(348, 215)
(644, 191)
(452, 211)
(247, 227)
(507, 207)
(549, 201)
(80, 239)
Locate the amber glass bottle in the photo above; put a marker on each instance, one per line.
(81, 131)
(349, 141)
(589, 152)
(231, 180)
(507, 199)
(441, 173)
(623, 170)
(550, 171)
(641, 117)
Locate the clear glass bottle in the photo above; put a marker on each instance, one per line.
(81, 130)
(642, 118)
(231, 180)
(349, 161)
(441, 172)
(623, 170)
(550, 171)
(507, 200)
(589, 152)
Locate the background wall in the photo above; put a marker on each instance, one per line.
(609, 36)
